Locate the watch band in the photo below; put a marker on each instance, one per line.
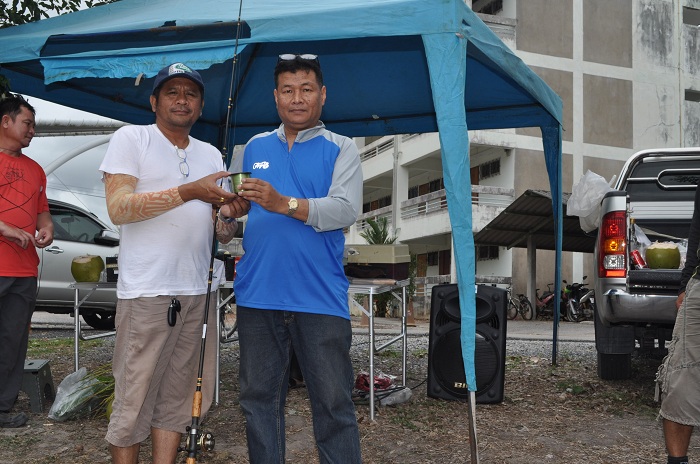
(293, 205)
(226, 219)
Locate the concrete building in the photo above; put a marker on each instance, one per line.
(628, 72)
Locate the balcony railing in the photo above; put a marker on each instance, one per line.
(377, 150)
(361, 223)
(437, 201)
(371, 151)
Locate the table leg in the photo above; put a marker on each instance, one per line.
(404, 335)
(218, 348)
(76, 321)
(371, 355)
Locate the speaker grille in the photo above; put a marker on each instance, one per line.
(446, 378)
(449, 368)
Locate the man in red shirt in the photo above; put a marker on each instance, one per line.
(25, 224)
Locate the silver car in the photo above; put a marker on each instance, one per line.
(76, 232)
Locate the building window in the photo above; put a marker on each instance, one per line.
(490, 169)
(486, 252)
(423, 189)
(691, 16)
(436, 185)
(692, 95)
(487, 6)
(376, 204)
(433, 258)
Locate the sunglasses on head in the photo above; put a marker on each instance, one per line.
(293, 56)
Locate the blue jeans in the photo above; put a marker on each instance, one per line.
(322, 346)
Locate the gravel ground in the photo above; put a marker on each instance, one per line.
(561, 413)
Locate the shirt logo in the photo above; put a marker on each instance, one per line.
(261, 165)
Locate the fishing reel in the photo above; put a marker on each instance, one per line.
(203, 441)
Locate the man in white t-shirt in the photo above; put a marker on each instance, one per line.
(160, 186)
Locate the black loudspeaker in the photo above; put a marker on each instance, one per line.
(446, 378)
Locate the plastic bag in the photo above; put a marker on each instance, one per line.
(683, 248)
(643, 241)
(585, 200)
(75, 397)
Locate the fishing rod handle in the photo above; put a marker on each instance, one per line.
(197, 404)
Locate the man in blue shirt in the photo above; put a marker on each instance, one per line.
(291, 290)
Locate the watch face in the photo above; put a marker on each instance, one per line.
(292, 204)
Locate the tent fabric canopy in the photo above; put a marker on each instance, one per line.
(391, 67)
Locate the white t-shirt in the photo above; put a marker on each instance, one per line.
(170, 253)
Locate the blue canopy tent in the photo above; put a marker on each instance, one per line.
(391, 67)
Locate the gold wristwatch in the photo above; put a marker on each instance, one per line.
(292, 204)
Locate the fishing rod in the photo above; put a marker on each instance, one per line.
(197, 440)
(229, 106)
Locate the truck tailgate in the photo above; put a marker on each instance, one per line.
(657, 281)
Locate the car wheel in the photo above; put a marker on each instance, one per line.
(99, 320)
(614, 366)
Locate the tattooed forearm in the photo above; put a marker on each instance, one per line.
(225, 232)
(125, 206)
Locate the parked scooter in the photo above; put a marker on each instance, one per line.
(587, 304)
(579, 304)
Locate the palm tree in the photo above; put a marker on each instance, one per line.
(378, 234)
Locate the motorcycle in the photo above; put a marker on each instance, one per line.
(579, 302)
(587, 305)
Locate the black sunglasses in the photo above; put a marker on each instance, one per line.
(293, 56)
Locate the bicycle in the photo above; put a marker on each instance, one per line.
(227, 316)
(519, 304)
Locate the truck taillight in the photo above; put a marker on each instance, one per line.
(612, 245)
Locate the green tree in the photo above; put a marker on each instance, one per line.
(16, 12)
(378, 234)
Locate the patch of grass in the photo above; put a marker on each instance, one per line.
(405, 417)
(393, 354)
(48, 348)
(515, 361)
(571, 387)
(18, 441)
(420, 353)
(622, 401)
(41, 348)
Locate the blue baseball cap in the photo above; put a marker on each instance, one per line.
(177, 70)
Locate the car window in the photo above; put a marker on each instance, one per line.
(74, 226)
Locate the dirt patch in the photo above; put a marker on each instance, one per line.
(550, 414)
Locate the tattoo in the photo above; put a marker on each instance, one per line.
(125, 206)
(225, 232)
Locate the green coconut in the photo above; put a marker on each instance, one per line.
(87, 268)
(664, 255)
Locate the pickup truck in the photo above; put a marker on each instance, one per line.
(635, 308)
